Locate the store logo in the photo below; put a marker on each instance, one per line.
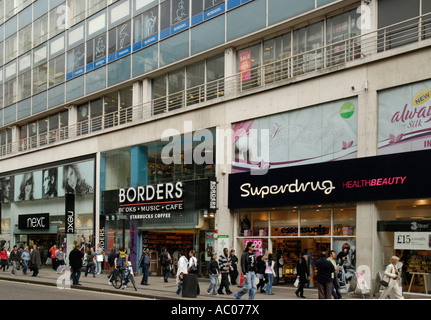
(347, 110)
(418, 226)
(296, 187)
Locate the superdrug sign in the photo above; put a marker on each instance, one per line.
(397, 176)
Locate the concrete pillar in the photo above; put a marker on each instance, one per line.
(229, 71)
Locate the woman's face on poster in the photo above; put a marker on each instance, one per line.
(71, 177)
(28, 186)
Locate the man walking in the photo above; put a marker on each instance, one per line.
(165, 261)
(75, 263)
(324, 276)
(15, 258)
(248, 267)
(35, 261)
(145, 264)
(224, 262)
(335, 287)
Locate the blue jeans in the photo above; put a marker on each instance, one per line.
(90, 266)
(268, 286)
(76, 274)
(213, 284)
(145, 276)
(24, 266)
(249, 286)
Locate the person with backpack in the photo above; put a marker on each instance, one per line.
(165, 262)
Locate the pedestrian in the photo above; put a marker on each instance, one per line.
(99, 258)
(214, 272)
(269, 273)
(302, 273)
(75, 262)
(111, 263)
(260, 273)
(3, 259)
(59, 260)
(324, 276)
(15, 258)
(335, 287)
(391, 276)
(181, 270)
(25, 256)
(52, 252)
(91, 262)
(248, 267)
(165, 262)
(35, 260)
(145, 264)
(8, 257)
(192, 268)
(233, 272)
(224, 262)
(120, 262)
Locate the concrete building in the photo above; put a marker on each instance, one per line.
(310, 118)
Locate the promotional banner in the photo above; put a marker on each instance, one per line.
(412, 240)
(404, 120)
(316, 134)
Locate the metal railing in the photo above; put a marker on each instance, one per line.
(330, 57)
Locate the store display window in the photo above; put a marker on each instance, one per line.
(253, 224)
(344, 222)
(315, 222)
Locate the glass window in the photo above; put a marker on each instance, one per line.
(100, 47)
(197, 7)
(215, 77)
(212, 3)
(165, 15)
(57, 21)
(180, 10)
(344, 222)
(276, 52)
(124, 35)
(253, 224)
(11, 48)
(96, 111)
(315, 222)
(176, 87)
(77, 11)
(42, 131)
(57, 67)
(40, 78)
(40, 30)
(284, 223)
(126, 101)
(111, 110)
(159, 95)
(10, 92)
(24, 85)
(150, 22)
(112, 41)
(95, 5)
(277, 9)
(25, 41)
(309, 38)
(195, 81)
(117, 169)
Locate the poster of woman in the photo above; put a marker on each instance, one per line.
(72, 180)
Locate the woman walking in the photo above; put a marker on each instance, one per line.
(391, 276)
(269, 273)
(4, 259)
(25, 256)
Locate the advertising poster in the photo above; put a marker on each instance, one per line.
(76, 178)
(412, 240)
(209, 245)
(404, 118)
(28, 186)
(258, 243)
(6, 189)
(316, 134)
(362, 283)
(346, 259)
(245, 65)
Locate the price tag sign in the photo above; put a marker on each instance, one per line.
(412, 240)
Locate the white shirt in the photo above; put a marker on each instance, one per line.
(182, 266)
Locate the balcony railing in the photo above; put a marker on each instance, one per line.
(327, 58)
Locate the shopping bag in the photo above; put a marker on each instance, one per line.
(296, 283)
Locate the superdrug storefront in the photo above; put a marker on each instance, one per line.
(356, 207)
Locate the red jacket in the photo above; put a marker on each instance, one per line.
(52, 251)
(3, 255)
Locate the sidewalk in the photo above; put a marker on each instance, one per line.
(159, 290)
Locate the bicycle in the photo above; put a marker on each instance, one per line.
(119, 276)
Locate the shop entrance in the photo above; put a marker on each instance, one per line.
(174, 241)
(45, 241)
(287, 252)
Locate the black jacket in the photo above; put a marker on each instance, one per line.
(302, 269)
(75, 258)
(248, 262)
(325, 269)
(213, 267)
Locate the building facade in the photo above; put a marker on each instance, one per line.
(203, 124)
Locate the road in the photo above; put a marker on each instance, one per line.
(28, 291)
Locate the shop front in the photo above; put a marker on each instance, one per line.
(153, 197)
(33, 205)
(318, 207)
